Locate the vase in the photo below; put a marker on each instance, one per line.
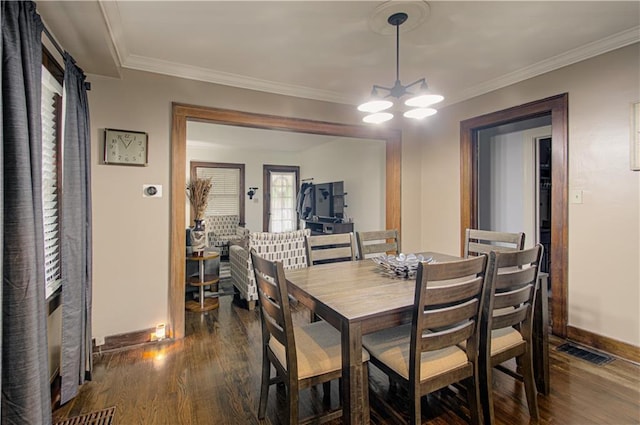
(198, 237)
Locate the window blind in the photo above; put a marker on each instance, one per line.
(51, 111)
(224, 197)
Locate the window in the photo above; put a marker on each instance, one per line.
(51, 110)
(225, 196)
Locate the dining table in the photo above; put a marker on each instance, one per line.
(360, 297)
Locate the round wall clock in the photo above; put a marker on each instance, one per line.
(123, 147)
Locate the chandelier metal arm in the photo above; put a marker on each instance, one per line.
(398, 90)
(419, 102)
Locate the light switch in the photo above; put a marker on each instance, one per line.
(576, 196)
(152, 191)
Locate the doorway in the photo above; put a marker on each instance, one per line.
(182, 113)
(281, 184)
(557, 108)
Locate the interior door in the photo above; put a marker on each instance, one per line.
(281, 183)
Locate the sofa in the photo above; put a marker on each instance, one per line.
(288, 247)
(223, 229)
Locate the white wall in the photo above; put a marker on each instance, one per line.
(361, 165)
(604, 231)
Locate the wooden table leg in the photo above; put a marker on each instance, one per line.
(541, 335)
(352, 379)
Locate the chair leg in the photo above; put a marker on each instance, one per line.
(530, 383)
(416, 408)
(264, 386)
(485, 383)
(326, 393)
(473, 398)
(293, 396)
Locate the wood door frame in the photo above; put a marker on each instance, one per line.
(557, 106)
(266, 196)
(181, 113)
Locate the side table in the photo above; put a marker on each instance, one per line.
(202, 280)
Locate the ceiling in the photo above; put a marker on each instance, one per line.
(336, 50)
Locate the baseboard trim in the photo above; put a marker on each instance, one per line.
(609, 345)
(125, 340)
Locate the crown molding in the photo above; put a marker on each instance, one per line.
(113, 21)
(570, 57)
(174, 69)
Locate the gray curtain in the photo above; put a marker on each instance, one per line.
(76, 235)
(25, 383)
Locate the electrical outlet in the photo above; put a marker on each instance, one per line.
(152, 191)
(99, 341)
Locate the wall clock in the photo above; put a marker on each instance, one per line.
(123, 147)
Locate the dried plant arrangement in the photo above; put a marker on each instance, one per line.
(198, 194)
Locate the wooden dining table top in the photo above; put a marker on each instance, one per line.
(356, 290)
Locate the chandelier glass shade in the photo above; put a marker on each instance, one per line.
(420, 101)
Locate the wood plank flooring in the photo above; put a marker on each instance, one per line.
(212, 376)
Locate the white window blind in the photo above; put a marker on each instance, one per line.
(51, 109)
(283, 216)
(224, 196)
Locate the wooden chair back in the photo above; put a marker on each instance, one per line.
(508, 309)
(378, 242)
(447, 309)
(330, 248)
(275, 311)
(478, 242)
(446, 315)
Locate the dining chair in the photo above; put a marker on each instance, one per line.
(506, 323)
(330, 248)
(322, 249)
(378, 242)
(478, 242)
(425, 355)
(302, 356)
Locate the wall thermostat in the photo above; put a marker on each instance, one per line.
(152, 191)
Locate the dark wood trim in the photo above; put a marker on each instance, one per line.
(200, 164)
(52, 65)
(123, 340)
(266, 184)
(604, 343)
(181, 113)
(557, 106)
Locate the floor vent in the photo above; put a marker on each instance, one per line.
(585, 354)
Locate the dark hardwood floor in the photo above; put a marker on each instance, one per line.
(212, 376)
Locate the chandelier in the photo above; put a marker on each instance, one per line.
(420, 102)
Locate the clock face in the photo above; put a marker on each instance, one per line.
(125, 147)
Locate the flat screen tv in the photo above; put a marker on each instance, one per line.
(328, 200)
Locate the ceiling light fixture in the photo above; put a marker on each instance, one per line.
(420, 101)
